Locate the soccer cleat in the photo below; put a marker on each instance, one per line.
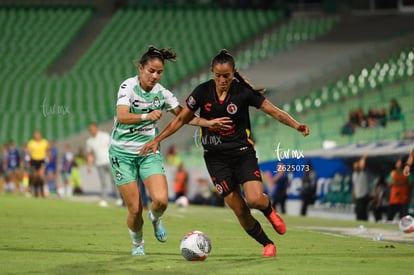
(159, 229)
(269, 250)
(277, 222)
(138, 250)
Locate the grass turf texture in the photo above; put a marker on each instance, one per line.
(49, 236)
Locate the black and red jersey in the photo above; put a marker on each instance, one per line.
(235, 105)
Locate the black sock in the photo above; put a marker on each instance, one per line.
(259, 235)
(267, 210)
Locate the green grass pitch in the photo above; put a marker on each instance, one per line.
(50, 236)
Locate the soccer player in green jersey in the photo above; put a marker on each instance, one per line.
(141, 100)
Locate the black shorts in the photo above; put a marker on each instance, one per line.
(36, 164)
(230, 170)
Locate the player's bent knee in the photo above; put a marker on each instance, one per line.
(160, 203)
(134, 210)
(255, 202)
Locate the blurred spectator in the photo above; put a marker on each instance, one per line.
(25, 168)
(382, 117)
(37, 148)
(181, 181)
(172, 157)
(279, 184)
(348, 129)
(204, 194)
(395, 110)
(361, 188)
(97, 147)
(51, 168)
(400, 191)
(80, 160)
(67, 165)
(2, 166)
(12, 168)
(308, 192)
(358, 118)
(379, 202)
(376, 117)
(80, 157)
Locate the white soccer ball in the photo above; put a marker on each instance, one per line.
(195, 246)
(406, 224)
(182, 201)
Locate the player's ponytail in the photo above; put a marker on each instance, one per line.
(225, 57)
(168, 54)
(246, 82)
(153, 52)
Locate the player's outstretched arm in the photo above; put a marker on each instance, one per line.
(284, 117)
(182, 118)
(222, 123)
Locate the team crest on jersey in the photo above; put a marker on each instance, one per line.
(232, 108)
(156, 102)
(191, 101)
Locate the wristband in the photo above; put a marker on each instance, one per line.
(144, 117)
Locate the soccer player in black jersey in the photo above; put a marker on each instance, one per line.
(229, 153)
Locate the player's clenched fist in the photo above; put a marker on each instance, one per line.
(154, 115)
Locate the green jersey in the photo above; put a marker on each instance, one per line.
(128, 139)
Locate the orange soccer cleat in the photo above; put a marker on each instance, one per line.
(269, 250)
(277, 222)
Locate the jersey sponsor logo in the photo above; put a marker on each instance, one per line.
(123, 86)
(140, 103)
(207, 107)
(232, 108)
(135, 103)
(257, 173)
(143, 129)
(191, 101)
